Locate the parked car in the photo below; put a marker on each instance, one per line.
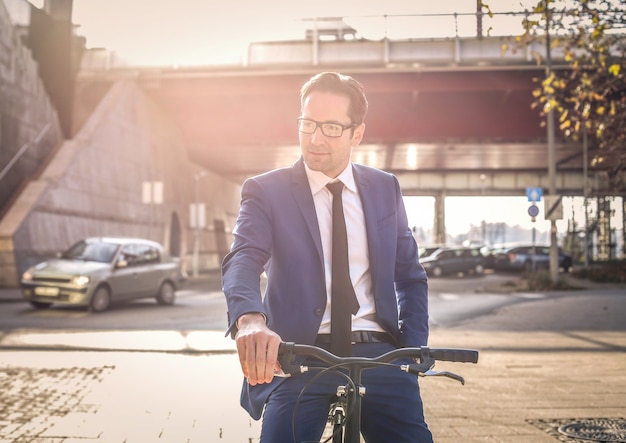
(490, 253)
(425, 251)
(447, 260)
(521, 258)
(96, 272)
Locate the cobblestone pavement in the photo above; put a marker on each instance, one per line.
(34, 400)
(144, 397)
(522, 378)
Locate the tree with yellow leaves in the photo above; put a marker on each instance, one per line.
(588, 94)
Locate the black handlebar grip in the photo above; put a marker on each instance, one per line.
(283, 347)
(456, 355)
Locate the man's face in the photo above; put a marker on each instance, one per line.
(329, 155)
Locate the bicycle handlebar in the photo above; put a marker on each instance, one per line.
(453, 354)
(424, 356)
(350, 395)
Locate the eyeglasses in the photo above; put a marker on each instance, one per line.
(334, 130)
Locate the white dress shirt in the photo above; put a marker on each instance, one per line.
(358, 256)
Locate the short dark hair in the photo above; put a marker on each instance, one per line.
(338, 84)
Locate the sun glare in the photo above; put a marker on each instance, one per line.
(199, 32)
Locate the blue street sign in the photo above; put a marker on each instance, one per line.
(534, 194)
(533, 210)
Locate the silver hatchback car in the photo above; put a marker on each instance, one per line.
(98, 271)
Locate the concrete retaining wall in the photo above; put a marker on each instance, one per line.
(94, 186)
(29, 125)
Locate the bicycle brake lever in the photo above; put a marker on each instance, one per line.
(419, 368)
(286, 358)
(281, 373)
(431, 373)
(289, 370)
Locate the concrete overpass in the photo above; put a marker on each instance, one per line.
(448, 116)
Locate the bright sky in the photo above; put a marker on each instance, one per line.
(202, 32)
(462, 212)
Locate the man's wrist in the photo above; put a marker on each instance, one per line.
(249, 318)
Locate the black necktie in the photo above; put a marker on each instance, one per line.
(343, 300)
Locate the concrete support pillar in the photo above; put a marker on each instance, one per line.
(605, 251)
(51, 40)
(440, 217)
(59, 9)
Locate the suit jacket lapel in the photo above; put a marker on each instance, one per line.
(370, 212)
(302, 194)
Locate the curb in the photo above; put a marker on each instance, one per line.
(173, 342)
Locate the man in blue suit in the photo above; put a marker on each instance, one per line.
(284, 229)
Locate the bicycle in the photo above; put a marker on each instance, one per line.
(345, 411)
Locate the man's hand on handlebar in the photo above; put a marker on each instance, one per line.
(257, 346)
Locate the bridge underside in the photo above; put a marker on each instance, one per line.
(475, 127)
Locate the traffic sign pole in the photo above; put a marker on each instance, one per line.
(533, 211)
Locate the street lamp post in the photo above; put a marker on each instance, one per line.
(483, 224)
(550, 124)
(152, 194)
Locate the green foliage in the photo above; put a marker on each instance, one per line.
(542, 281)
(611, 272)
(588, 95)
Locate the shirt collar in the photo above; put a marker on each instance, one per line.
(318, 180)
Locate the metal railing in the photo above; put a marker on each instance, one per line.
(24, 148)
(399, 30)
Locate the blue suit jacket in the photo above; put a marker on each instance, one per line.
(277, 232)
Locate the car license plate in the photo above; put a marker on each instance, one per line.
(46, 291)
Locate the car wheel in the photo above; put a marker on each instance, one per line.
(479, 269)
(437, 271)
(167, 294)
(40, 305)
(100, 300)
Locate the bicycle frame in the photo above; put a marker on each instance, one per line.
(424, 356)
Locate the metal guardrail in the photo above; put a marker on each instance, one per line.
(23, 149)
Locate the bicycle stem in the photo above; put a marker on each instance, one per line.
(353, 423)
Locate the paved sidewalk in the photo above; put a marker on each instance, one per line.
(10, 294)
(143, 387)
(526, 384)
